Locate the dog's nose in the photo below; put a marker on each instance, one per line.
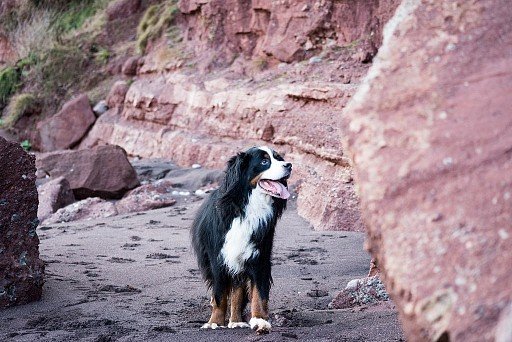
(288, 166)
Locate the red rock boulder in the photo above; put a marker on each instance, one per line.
(147, 197)
(130, 66)
(53, 195)
(430, 130)
(364, 291)
(66, 128)
(21, 270)
(103, 171)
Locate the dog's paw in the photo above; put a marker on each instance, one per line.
(260, 325)
(211, 326)
(233, 325)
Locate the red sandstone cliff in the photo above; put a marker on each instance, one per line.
(263, 72)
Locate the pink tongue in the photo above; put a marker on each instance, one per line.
(277, 189)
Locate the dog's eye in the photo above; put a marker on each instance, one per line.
(265, 162)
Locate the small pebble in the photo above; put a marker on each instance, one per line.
(315, 59)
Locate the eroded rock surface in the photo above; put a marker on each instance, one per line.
(286, 30)
(213, 120)
(264, 73)
(431, 135)
(87, 209)
(21, 270)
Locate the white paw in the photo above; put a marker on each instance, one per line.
(211, 326)
(238, 325)
(260, 325)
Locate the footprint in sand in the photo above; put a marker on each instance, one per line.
(120, 260)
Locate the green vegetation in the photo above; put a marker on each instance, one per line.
(353, 44)
(62, 47)
(9, 83)
(26, 145)
(75, 15)
(59, 69)
(102, 56)
(156, 19)
(260, 63)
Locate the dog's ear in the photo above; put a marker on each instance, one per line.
(233, 187)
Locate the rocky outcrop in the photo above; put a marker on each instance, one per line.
(99, 172)
(152, 169)
(364, 291)
(53, 195)
(130, 66)
(295, 107)
(87, 209)
(193, 179)
(117, 94)
(207, 122)
(147, 197)
(21, 270)
(431, 135)
(66, 128)
(285, 30)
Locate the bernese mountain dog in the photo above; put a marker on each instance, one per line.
(232, 236)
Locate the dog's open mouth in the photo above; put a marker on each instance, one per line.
(274, 188)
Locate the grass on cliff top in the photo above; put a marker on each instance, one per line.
(52, 55)
(155, 21)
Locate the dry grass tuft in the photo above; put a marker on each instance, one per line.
(34, 34)
(20, 105)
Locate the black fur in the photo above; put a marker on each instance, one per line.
(214, 219)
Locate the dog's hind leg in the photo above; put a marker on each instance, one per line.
(219, 303)
(238, 301)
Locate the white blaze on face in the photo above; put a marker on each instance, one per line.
(277, 169)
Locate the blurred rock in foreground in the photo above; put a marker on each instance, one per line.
(21, 270)
(430, 131)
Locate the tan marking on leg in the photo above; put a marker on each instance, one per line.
(218, 317)
(237, 299)
(259, 307)
(259, 313)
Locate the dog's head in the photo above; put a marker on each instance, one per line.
(268, 172)
(258, 169)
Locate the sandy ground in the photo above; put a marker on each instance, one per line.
(134, 278)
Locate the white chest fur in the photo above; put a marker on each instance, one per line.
(238, 248)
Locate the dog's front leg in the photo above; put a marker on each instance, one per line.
(259, 307)
(238, 301)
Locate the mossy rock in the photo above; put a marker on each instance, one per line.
(10, 79)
